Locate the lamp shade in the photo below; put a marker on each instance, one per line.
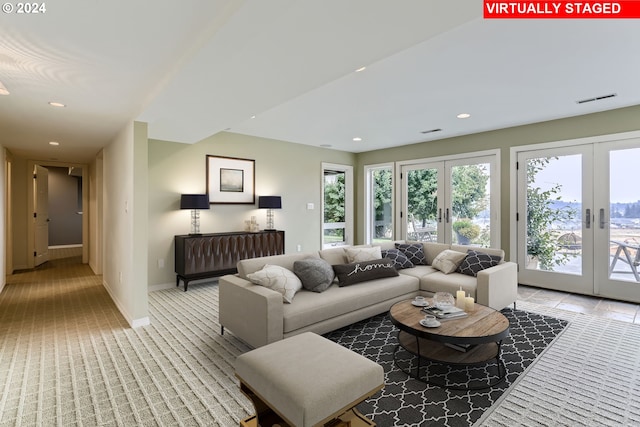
(194, 201)
(269, 202)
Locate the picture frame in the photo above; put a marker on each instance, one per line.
(230, 180)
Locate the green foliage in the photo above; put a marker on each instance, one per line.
(542, 240)
(466, 228)
(334, 193)
(383, 186)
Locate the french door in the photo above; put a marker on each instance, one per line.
(578, 219)
(451, 201)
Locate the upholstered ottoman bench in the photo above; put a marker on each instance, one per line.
(307, 380)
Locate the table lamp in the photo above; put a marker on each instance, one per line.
(270, 203)
(195, 202)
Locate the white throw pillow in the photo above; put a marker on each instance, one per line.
(448, 261)
(363, 254)
(278, 279)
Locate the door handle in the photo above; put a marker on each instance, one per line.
(446, 215)
(440, 215)
(602, 218)
(588, 215)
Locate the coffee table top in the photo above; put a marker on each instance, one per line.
(483, 325)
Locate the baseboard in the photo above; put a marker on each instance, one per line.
(134, 323)
(161, 287)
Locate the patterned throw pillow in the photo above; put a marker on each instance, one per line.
(279, 279)
(348, 274)
(362, 254)
(448, 261)
(399, 259)
(413, 251)
(316, 274)
(477, 261)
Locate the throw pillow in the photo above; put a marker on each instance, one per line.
(448, 261)
(477, 261)
(399, 259)
(316, 274)
(348, 274)
(278, 279)
(363, 254)
(413, 251)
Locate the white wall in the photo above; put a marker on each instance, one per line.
(293, 171)
(124, 275)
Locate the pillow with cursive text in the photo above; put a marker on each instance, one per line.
(348, 274)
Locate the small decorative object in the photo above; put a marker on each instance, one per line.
(251, 225)
(230, 180)
(460, 295)
(195, 202)
(270, 203)
(469, 303)
(443, 300)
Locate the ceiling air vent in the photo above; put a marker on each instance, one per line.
(597, 98)
(431, 131)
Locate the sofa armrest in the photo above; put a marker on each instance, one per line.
(497, 286)
(253, 313)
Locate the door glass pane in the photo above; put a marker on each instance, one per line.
(334, 208)
(554, 214)
(422, 205)
(624, 205)
(470, 207)
(381, 209)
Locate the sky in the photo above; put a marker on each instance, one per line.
(566, 170)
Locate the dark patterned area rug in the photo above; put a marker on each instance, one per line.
(405, 401)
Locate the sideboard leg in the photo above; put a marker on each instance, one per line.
(221, 330)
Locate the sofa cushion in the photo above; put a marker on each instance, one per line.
(362, 254)
(418, 271)
(440, 282)
(399, 259)
(448, 261)
(278, 279)
(357, 272)
(315, 274)
(413, 251)
(310, 308)
(477, 261)
(251, 265)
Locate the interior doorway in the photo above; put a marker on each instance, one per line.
(68, 198)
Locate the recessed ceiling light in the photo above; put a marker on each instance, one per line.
(463, 115)
(3, 90)
(361, 69)
(57, 104)
(55, 143)
(253, 117)
(357, 139)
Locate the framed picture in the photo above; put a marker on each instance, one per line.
(230, 180)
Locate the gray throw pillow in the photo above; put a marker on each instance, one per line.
(399, 259)
(348, 274)
(476, 261)
(413, 251)
(315, 274)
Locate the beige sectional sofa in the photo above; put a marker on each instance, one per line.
(258, 315)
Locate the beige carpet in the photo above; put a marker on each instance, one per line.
(67, 357)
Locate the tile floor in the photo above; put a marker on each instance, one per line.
(619, 310)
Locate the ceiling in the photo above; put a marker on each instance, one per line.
(286, 69)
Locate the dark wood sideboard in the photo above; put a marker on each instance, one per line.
(210, 255)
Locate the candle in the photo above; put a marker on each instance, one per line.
(460, 302)
(468, 304)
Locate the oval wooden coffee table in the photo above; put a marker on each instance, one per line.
(482, 330)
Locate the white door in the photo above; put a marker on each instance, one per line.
(451, 201)
(555, 218)
(41, 214)
(579, 219)
(617, 220)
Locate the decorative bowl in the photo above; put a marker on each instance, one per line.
(443, 300)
